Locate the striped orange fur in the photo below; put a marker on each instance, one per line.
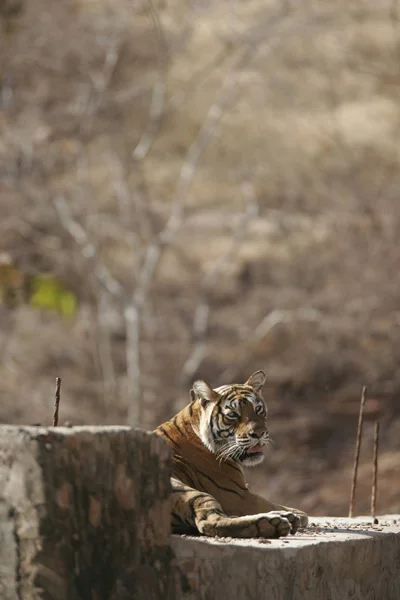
(212, 438)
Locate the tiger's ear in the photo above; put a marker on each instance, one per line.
(256, 381)
(203, 392)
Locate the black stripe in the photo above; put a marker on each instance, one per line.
(191, 409)
(230, 396)
(220, 487)
(221, 423)
(204, 501)
(161, 428)
(177, 426)
(192, 508)
(233, 466)
(203, 488)
(184, 466)
(235, 482)
(250, 398)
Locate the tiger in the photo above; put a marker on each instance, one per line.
(220, 431)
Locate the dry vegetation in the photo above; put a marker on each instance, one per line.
(219, 184)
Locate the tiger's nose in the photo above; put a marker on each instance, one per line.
(256, 435)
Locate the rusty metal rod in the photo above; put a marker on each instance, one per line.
(57, 401)
(374, 490)
(357, 452)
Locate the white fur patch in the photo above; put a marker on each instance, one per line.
(206, 430)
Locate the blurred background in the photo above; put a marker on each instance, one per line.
(200, 189)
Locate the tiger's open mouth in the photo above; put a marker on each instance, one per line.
(253, 455)
(255, 449)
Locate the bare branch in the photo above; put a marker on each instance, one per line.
(267, 32)
(100, 83)
(104, 348)
(155, 114)
(159, 89)
(89, 250)
(132, 351)
(202, 311)
(126, 199)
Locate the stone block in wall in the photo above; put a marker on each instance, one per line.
(84, 514)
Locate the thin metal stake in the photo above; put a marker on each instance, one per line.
(375, 471)
(357, 453)
(57, 401)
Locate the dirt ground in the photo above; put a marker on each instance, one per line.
(218, 185)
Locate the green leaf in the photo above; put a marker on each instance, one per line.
(50, 293)
(68, 304)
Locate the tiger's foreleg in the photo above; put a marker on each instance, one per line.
(258, 504)
(195, 510)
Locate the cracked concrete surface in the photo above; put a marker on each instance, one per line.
(333, 559)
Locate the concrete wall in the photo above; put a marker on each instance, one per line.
(334, 561)
(84, 515)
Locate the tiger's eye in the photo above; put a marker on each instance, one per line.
(231, 416)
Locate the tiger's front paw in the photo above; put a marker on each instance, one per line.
(299, 513)
(273, 525)
(303, 519)
(294, 520)
(286, 522)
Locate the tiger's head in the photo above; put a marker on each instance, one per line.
(233, 419)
